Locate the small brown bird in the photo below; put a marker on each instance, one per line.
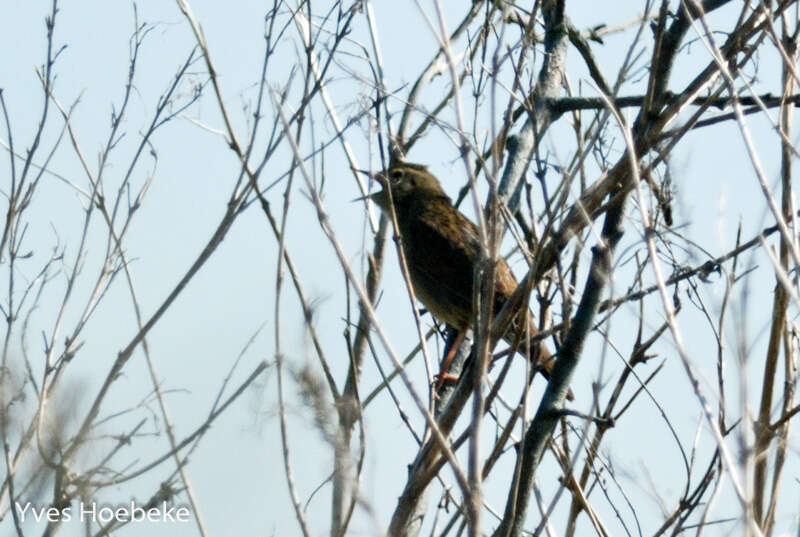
(441, 247)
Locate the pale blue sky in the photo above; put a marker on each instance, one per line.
(237, 471)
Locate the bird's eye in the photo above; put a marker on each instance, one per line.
(396, 174)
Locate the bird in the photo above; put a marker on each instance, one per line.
(441, 248)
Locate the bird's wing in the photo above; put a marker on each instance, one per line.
(441, 247)
(442, 253)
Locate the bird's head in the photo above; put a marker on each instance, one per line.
(407, 181)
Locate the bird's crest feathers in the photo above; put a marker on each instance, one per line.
(410, 180)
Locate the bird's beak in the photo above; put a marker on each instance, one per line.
(376, 197)
(362, 198)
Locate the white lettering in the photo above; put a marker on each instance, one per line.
(168, 512)
(90, 514)
(121, 514)
(51, 514)
(21, 510)
(137, 511)
(182, 514)
(105, 514)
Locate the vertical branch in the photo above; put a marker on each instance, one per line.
(547, 89)
(548, 413)
(349, 405)
(777, 335)
(322, 215)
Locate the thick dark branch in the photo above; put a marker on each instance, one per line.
(547, 89)
(543, 424)
(571, 104)
(547, 415)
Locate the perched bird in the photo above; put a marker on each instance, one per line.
(441, 247)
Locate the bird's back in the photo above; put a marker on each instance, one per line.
(441, 246)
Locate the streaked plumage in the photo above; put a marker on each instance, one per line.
(441, 247)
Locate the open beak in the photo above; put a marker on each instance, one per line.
(378, 196)
(362, 198)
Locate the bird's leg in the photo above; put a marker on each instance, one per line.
(443, 375)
